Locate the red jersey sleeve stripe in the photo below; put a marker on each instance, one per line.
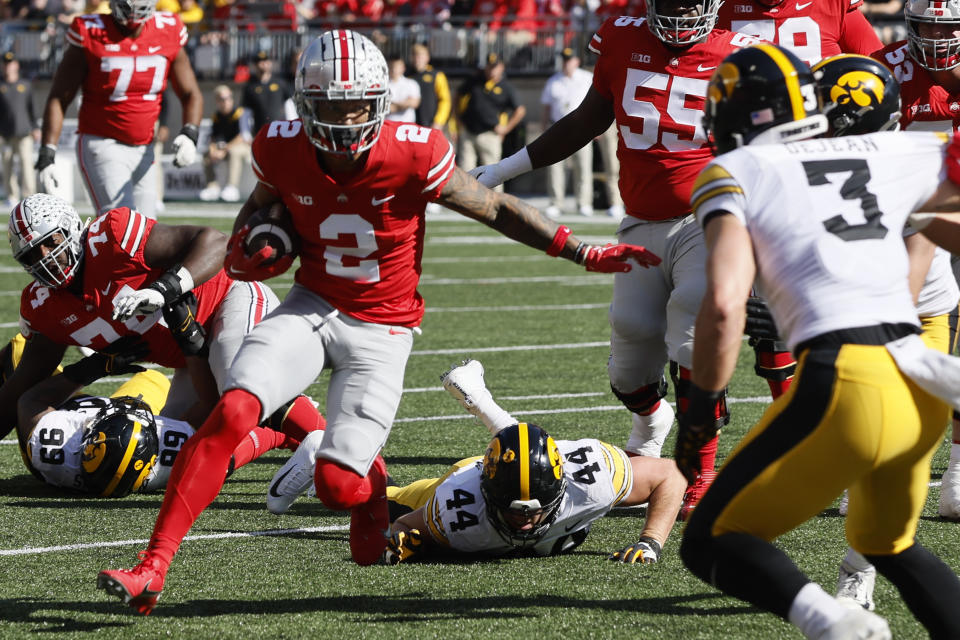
(443, 162)
(74, 38)
(136, 225)
(183, 35)
(259, 173)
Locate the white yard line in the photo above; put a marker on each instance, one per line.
(83, 546)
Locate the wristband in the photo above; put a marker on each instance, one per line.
(656, 546)
(515, 165)
(701, 405)
(173, 284)
(559, 241)
(919, 221)
(192, 131)
(581, 253)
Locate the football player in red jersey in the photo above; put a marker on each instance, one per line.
(810, 29)
(98, 284)
(651, 78)
(357, 188)
(122, 62)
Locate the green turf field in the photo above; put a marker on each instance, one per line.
(539, 326)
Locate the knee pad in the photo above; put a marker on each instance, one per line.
(338, 487)
(237, 411)
(643, 399)
(681, 387)
(773, 359)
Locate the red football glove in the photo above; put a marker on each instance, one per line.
(953, 159)
(240, 266)
(611, 258)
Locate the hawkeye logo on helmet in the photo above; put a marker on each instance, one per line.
(94, 452)
(859, 87)
(491, 459)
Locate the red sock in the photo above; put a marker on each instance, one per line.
(302, 418)
(200, 469)
(708, 455)
(257, 443)
(776, 360)
(340, 488)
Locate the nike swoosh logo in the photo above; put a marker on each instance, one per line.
(378, 201)
(702, 68)
(273, 487)
(154, 49)
(801, 7)
(107, 289)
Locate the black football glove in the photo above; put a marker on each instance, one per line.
(402, 545)
(116, 359)
(646, 550)
(697, 427)
(181, 319)
(760, 323)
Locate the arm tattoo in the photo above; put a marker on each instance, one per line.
(507, 214)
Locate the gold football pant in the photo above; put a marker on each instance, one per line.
(850, 419)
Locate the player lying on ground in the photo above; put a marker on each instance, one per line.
(528, 492)
(80, 442)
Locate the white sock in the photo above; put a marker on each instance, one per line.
(492, 415)
(650, 431)
(855, 560)
(814, 610)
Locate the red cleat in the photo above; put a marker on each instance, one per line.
(138, 587)
(370, 521)
(694, 493)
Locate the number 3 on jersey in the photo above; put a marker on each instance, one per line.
(680, 92)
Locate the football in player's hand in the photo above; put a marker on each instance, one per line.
(272, 227)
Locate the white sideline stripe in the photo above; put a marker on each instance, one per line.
(542, 307)
(591, 279)
(522, 347)
(448, 260)
(498, 239)
(124, 543)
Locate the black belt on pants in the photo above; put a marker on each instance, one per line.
(877, 334)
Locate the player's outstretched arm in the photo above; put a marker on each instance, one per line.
(409, 537)
(39, 360)
(185, 85)
(519, 221)
(66, 82)
(564, 138)
(41, 399)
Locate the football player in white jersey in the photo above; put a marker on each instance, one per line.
(529, 492)
(866, 410)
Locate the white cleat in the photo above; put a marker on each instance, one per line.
(465, 383)
(855, 588)
(296, 476)
(950, 491)
(649, 432)
(858, 624)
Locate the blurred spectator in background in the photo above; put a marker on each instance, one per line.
(487, 110)
(611, 171)
(265, 94)
(434, 109)
(563, 93)
(230, 136)
(18, 131)
(404, 92)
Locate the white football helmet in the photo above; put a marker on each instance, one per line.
(32, 222)
(132, 13)
(679, 31)
(342, 65)
(936, 53)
